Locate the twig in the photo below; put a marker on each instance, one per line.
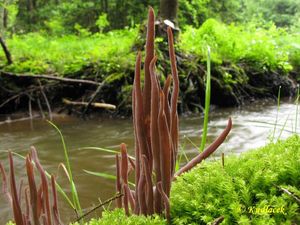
(98, 206)
(289, 193)
(218, 220)
(223, 159)
(18, 120)
(6, 51)
(11, 98)
(29, 106)
(41, 108)
(19, 94)
(46, 100)
(96, 104)
(50, 77)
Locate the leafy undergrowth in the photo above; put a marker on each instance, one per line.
(247, 184)
(37, 53)
(263, 48)
(267, 48)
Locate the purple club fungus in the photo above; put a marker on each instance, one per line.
(155, 123)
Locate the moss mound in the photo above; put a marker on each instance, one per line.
(247, 190)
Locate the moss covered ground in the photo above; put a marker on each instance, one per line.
(245, 191)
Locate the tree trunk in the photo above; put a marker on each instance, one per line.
(29, 5)
(5, 18)
(6, 51)
(168, 10)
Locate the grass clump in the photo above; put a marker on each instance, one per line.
(118, 217)
(253, 181)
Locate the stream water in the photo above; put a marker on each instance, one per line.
(253, 126)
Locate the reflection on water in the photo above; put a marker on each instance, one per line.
(253, 126)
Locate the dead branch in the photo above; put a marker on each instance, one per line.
(289, 193)
(41, 108)
(218, 220)
(95, 104)
(11, 98)
(46, 100)
(6, 51)
(98, 206)
(50, 77)
(18, 120)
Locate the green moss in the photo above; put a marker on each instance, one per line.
(118, 217)
(251, 180)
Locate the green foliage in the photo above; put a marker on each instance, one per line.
(36, 53)
(75, 198)
(12, 10)
(281, 12)
(118, 217)
(55, 26)
(252, 180)
(33, 16)
(265, 49)
(207, 102)
(102, 22)
(89, 14)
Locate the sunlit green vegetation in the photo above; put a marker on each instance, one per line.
(118, 217)
(263, 48)
(267, 48)
(255, 179)
(39, 53)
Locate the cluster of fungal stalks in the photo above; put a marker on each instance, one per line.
(39, 207)
(155, 122)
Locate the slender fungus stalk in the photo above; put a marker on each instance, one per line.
(155, 123)
(38, 207)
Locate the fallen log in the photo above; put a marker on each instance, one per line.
(51, 77)
(94, 104)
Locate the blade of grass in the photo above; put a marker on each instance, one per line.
(207, 102)
(100, 149)
(74, 192)
(278, 107)
(282, 129)
(104, 150)
(105, 175)
(297, 108)
(192, 143)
